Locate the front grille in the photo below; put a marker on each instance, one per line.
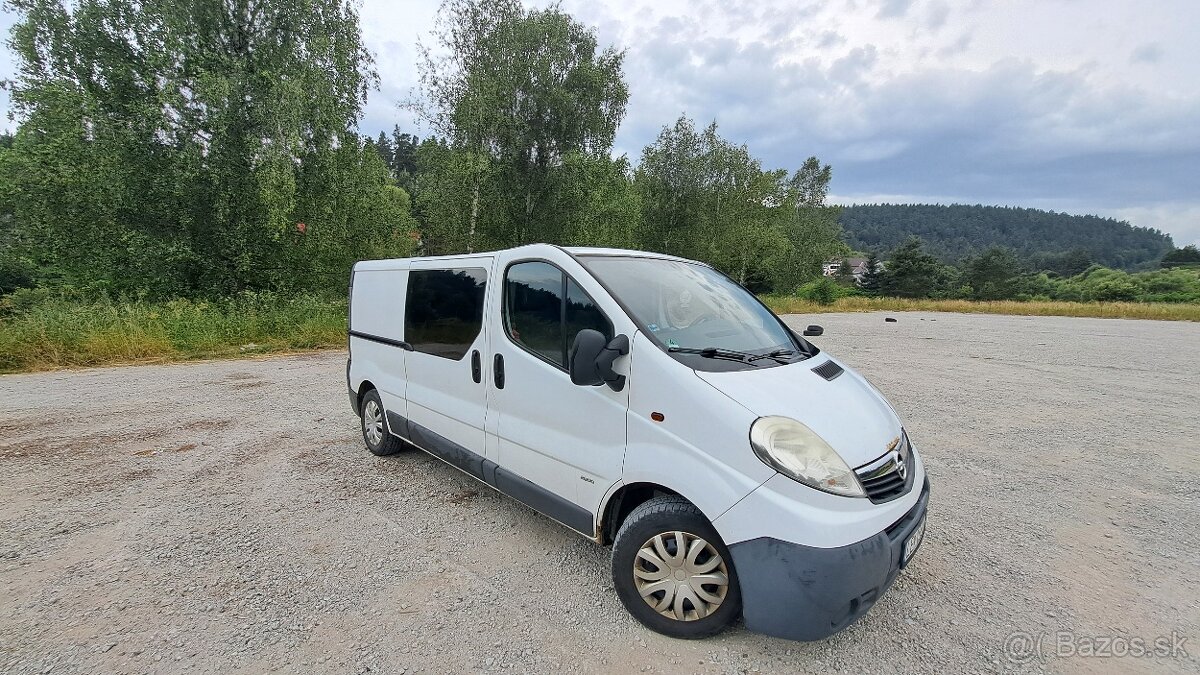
(894, 529)
(889, 476)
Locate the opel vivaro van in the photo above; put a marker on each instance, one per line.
(649, 403)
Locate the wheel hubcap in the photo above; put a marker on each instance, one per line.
(373, 423)
(681, 576)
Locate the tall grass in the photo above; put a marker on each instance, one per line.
(1110, 310)
(41, 331)
(53, 332)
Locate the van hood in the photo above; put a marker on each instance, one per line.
(850, 414)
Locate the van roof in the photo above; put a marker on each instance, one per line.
(588, 250)
(532, 249)
(402, 263)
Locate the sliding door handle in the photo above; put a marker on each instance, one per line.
(498, 371)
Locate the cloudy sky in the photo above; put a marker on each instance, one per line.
(1083, 106)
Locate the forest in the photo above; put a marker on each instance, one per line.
(1044, 240)
(998, 274)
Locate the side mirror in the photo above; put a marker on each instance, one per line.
(813, 331)
(590, 360)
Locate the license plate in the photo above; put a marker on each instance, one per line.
(913, 542)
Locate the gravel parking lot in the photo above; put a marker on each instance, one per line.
(226, 516)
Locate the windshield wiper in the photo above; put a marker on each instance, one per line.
(731, 354)
(778, 355)
(713, 353)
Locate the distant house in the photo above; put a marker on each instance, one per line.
(858, 267)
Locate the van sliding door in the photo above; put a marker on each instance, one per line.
(447, 396)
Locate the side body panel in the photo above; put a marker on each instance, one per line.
(568, 439)
(377, 309)
(701, 449)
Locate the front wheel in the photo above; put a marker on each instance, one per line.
(374, 427)
(673, 572)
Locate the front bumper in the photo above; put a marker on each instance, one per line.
(802, 592)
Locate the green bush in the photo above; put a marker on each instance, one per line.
(1100, 284)
(823, 291)
(40, 329)
(1181, 284)
(1113, 290)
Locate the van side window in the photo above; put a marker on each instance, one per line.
(544, 309)
(582, 312)
(444, 310)
(533, 309)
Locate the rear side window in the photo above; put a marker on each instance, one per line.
(444, 310)
(544, 309)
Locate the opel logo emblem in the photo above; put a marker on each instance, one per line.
(900, 467)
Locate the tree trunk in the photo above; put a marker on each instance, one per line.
(528, 216)
(474, 217)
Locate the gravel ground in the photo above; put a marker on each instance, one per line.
(225, 516)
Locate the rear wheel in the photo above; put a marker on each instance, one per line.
(374, 427)
(673, 572)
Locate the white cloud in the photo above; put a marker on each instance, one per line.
(936, 15)
(1151, 52)
(894, 8)
(873, 151)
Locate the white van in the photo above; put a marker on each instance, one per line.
(650, 403)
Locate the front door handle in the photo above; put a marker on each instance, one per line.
(498, 371)
(476, 367)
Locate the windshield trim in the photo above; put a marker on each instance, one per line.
(800, 345)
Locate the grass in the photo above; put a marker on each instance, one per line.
(56, 333)
(44, 332)
(1108, 310)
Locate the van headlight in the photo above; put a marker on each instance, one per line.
(799, 453)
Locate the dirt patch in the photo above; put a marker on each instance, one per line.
(241, 376)
(26, 424)
(462, 497)
(208, 425)
(113, 481)
(81, 444)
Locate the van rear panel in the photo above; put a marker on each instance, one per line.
(376, 331)
(377, 303)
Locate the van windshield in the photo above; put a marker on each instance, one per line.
(688, 308)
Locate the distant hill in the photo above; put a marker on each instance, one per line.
(1042, 238)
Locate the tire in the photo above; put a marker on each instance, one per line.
(656, 527)
(374, 427)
